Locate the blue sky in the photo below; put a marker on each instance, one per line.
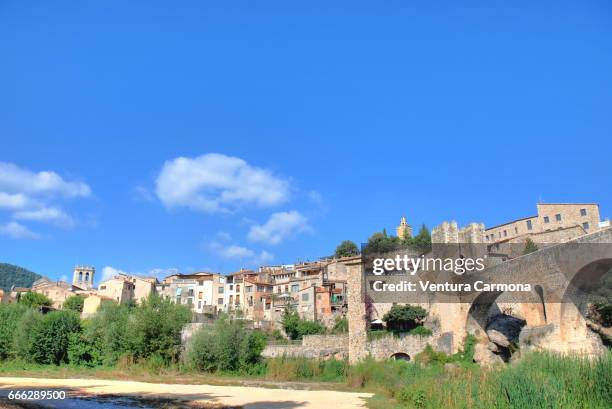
(298, 125)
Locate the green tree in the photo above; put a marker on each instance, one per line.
(346, 249)
(10, 315)
(49, 337)
(379, 242)
(422, 240)
(155, 328)
(530, 246)
(404, 317)
(290, 321)
(74, 303)
(34, 300)
(23, 330)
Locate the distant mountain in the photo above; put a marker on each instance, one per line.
(11, 275)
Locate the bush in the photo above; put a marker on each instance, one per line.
(49, 337)
(155, 328)
(107, 331)
(74, 303)
(420, 331)
(23, 329)
(34, 300)
(295, 327)
(340, 325)
(10, 315)
(227, 346)
(404, 317)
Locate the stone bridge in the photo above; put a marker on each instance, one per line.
(557, 275)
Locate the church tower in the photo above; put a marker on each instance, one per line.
(83, 277)
(404, 230)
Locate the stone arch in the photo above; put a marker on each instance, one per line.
(400, 356)
(576, 299)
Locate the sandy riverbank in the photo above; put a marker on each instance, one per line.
(237, 396)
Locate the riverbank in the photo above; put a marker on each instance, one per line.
(206, 396)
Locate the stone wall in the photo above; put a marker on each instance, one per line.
(385, 348)
(312, 346)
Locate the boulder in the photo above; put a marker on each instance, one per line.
(484, 357)
(504, 330)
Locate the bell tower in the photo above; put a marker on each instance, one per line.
(83, 276)
(404, 230)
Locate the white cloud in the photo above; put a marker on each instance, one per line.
(46, 214)
(244, 254)
(216, 183)
(15, 230)
(14, 201)
(161, 273)
(31, 195)
(279, 226)
(109, 272)
(224, 236)
(16, 179)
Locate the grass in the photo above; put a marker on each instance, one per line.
(539, 380)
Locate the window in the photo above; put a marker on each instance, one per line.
(585, 225)
(178, 299)
(558, 217)
(199, 305)
(220, 300)
(305, 297)
(237, 287)
(102, 287)
(221, 290)
(200, 295)
(505, 233)
(189, 301)
(546, 220)
(295, 288)
(515, 230)
(231, 287)
(248, 289)
(529, 225)
(200, 283)
(190, 292)
(583, 212)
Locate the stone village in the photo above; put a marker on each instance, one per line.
(330, 287)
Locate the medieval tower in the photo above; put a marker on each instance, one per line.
(83, 277)
(404, 230)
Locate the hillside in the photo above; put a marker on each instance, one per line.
(11, 275)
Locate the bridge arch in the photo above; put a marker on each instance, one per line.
(400, 356)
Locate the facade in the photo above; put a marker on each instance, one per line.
(56, 291)
(549, 217)
(118, 289)
(203, 292)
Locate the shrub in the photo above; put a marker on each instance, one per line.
(340, 325)
(404, 317)
(10, 315)
(23, 329)
(420, 331)
(49, 337)
(34, 300)
(107, 331)
(74, 303)
(295, 327)
(227, 346)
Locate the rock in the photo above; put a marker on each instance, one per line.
(504, 330)
(484, 357)
(450, 367)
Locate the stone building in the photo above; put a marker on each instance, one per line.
(203, 292)
(403, 230)
(118, 289)
(56, 291)
(83, 277)
(570, 219)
